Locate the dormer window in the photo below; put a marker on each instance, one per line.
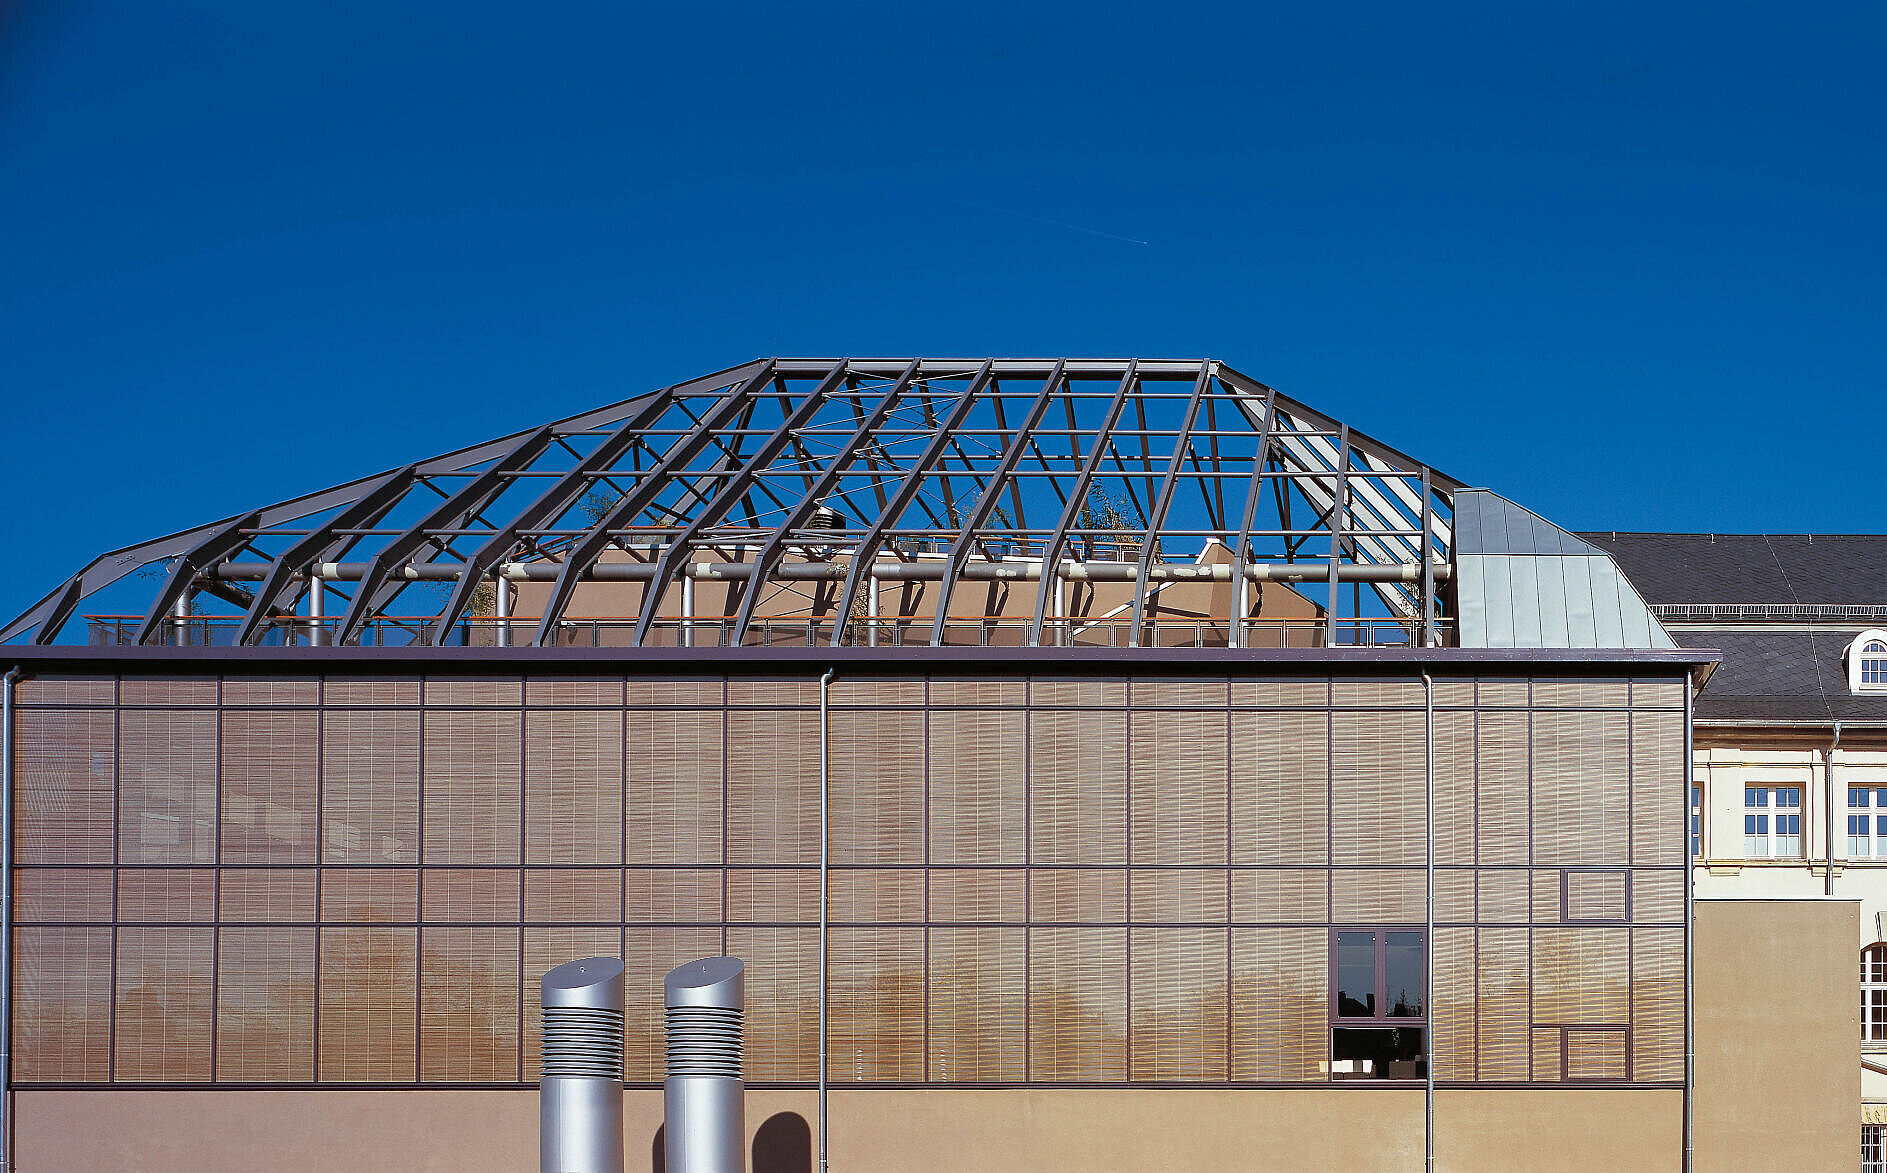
(1867, 662)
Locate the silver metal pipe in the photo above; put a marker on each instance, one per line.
(1428, 932)
(501, 609)
(6, 918)
(1690, 943)
(580, 1127)
(923, 571)
(825, 894)
(703, 1099)
(315, 602)
(1828, 785)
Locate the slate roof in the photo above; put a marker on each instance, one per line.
(1751, 568)
(1783, 667)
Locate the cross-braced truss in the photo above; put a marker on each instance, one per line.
(819, 501)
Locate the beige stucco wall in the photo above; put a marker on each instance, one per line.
(1778, 1035)
(994, 1131)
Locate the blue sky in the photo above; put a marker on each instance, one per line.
(1619, 262)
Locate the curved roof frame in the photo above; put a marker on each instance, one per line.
(839, 472)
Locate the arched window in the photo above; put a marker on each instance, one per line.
(1874, 994)
(1867, 662)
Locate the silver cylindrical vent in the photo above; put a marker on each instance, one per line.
(580, 1095)
(703, 1096)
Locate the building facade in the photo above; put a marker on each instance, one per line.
(1791, 736)
(1135, 769)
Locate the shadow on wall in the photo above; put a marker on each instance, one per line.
(783, 1145)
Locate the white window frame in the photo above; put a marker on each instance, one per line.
(1696, 820)
(1767, 811)
(1867, 822)
(1874, 993)
(1866, 658)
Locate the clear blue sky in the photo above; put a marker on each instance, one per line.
(1615, 261)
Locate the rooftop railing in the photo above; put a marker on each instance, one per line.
(900, 632)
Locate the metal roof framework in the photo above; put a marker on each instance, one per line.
(829, 474)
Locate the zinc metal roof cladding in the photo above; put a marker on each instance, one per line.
(1752, 568)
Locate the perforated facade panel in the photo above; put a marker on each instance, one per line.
(1054, 880)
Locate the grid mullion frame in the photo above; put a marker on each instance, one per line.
(1009, 941)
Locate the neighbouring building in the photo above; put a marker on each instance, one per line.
(1195, 782)
(1791, 738)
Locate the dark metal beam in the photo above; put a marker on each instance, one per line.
(1339, 515)
(322, 545)
(1241, 554)
(564, 493)
(183, 572)
(1181, 443)
(986, 501)
(1077, 500)
(378, 588)
(867, 549)
(730, 495)
(587, 549)
(822, 488)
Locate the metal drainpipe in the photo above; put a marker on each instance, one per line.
(1828, 785)
(1690, 940)
(825, 869)
(1428, 934)
(6, 918)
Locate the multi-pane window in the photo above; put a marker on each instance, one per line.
(1874, 994)
(1867, 822)
(1874, 662)
(1874, 1148)
(1378, 1004)
(1772, 822)
(1696, 822)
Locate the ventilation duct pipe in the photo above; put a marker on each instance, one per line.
(703, 1099)
(580, 1097)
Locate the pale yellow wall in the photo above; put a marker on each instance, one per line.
(1353, 1129)
(1778, 1035)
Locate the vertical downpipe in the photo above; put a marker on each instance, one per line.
(1690, 940)
(1828, 787)
(1428, 932)
(825, 869)
(6, 918)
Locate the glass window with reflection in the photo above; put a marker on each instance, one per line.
(1867, 822)
(1378, 1004)
(1772, 822)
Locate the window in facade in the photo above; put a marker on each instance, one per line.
(1867, 662)
(1696, 822)
(1772, 822)
(1378, 1004)
(1867, 822)
(1874, 1148)
(1874, 994)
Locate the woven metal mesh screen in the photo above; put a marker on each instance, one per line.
(1083, 881)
